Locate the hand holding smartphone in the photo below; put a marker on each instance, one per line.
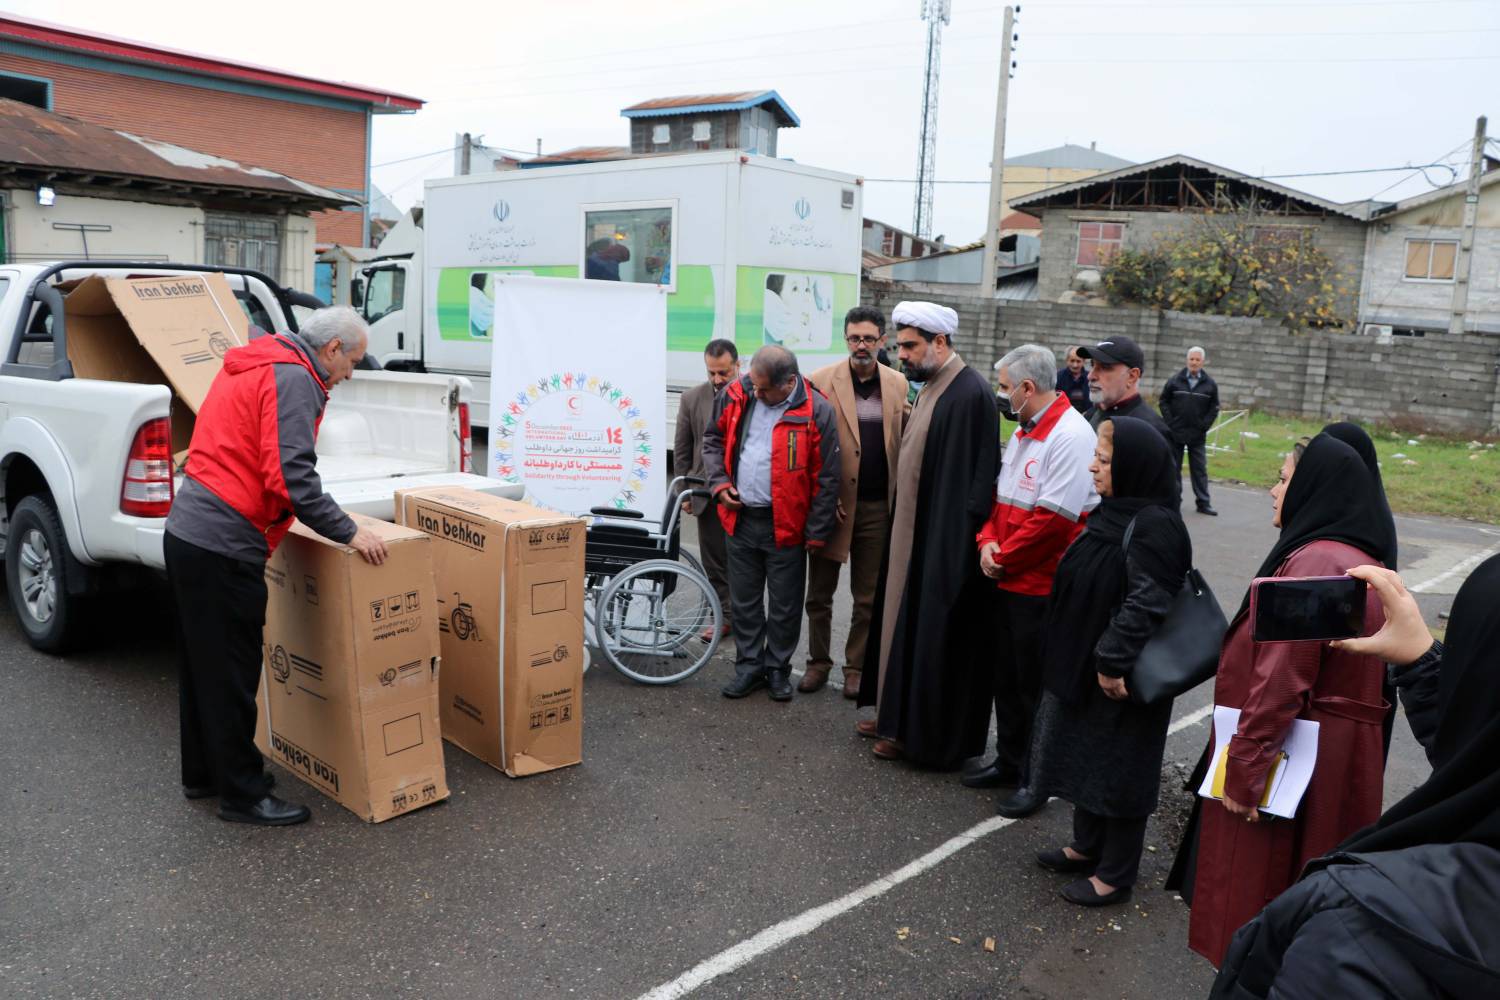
(1303, 609)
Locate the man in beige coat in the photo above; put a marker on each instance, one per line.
(722, 362)
(870, 400)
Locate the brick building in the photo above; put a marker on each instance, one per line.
(314, 130)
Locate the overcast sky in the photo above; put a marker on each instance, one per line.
(1261, 86)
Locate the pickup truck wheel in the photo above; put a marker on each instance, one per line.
(35, 576)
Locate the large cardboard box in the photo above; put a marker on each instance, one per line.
(349, 694)
(510, 596)
(170, 331)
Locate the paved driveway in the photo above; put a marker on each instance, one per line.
(755, 849)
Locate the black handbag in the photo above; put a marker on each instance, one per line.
(1184, 650)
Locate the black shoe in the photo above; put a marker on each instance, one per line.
(1204, 508)
(209, 791)
(743, 684)
(990, 776)
(1057, 860)
(1020, 805)
(269, 811)
(1082, 892)
(781, 685)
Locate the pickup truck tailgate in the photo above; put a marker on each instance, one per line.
(377, 497)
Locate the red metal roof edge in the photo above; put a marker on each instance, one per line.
(60, 36)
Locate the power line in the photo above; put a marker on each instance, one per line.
(1331, 173)
(408, 159)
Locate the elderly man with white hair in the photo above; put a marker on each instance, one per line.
(251, 469)
(1190, 405)
(927, 675)
(1043, 494)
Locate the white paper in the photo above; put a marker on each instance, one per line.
(1292, 777)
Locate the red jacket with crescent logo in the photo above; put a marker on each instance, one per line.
(804, 461)
(1042, 497)
(252, 464)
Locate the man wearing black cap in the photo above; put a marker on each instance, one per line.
(1114, 374)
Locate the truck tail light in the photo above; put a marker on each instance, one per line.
(147, 489)
(465, 440)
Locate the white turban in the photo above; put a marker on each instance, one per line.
(927, 316)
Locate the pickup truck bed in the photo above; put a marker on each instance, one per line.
(66, 445)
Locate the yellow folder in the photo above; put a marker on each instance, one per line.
(1222, 764)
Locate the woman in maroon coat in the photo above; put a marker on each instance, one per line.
(1328, 508)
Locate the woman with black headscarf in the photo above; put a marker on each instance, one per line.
(1331, 518)
(1355, 437)
(1407, 907)
(1093, 746)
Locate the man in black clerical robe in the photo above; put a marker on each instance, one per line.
(928, 676)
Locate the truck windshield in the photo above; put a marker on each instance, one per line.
(385, 292)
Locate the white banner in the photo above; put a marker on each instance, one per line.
(578, 392)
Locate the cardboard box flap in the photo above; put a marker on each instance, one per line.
(509, 512)
(387, 531)
(185, 324)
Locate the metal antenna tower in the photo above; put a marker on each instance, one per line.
(936, 13)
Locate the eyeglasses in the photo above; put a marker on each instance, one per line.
(862, 341)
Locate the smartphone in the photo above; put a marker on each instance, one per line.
(1301, 609)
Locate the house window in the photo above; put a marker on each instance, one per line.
(888, 244)
(33, 90)
(1097, 241)
(661, 135)
(702, 131)
(1430, 260)
(630, 241)
(243, 241)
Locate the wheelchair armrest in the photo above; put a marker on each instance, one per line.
(613, 512)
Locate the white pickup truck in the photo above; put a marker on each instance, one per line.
(85, 478)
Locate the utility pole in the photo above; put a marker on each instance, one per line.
(997, 163)
(463, 163)
(1465, 257)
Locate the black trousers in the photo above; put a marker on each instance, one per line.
(1197, 454)
(766, 586)
(221, 610)
(1117, 843)
(1017, 678)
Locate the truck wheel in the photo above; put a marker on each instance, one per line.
(36, 565)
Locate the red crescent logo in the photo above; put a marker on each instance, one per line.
(573, 404)
(1026, 469)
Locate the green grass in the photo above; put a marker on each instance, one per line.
(1423, 473)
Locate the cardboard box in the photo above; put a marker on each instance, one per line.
(171, 331)
(510, 593)
(349, 694)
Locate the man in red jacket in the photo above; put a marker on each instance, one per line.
(251, 468)
(771, 454)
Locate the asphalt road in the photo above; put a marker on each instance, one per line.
(694, 825)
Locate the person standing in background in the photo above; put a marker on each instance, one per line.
(1190, 405)
(722, 361)
(1073, 381)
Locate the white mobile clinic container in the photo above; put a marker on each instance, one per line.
(749, 248)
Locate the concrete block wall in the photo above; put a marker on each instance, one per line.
(1437, 382)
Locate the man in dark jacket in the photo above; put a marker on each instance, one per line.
(1190, 405)
(1114, 384)
(771, 453)
(1073, 381)
(722, 362)
(251, 468)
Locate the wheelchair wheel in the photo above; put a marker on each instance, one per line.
(650, 619)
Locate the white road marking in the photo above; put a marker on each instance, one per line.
(805, 923)
(1426, 586)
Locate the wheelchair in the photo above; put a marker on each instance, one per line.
(653, 613)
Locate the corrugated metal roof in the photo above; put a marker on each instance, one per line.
(583, 154)
(740, 100)
(1352, 210)
(33, 141)
(1069, 157)
(107, 46)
